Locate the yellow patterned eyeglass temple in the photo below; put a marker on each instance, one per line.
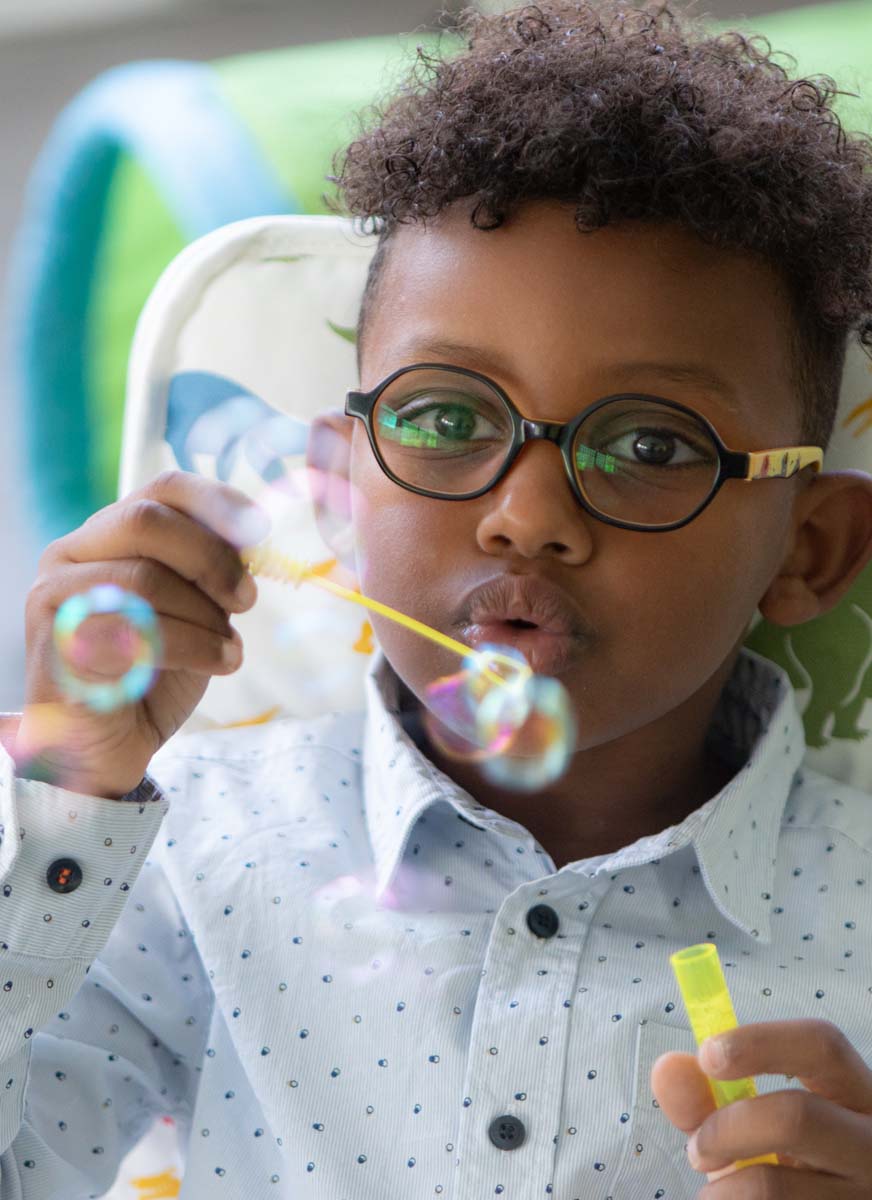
(782, 463)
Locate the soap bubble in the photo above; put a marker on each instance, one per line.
(105, 632)
(495, 712)
(476, 712)
(540, 751)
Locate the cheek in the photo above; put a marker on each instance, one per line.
(672, 608)
(693, 591)
(409, 551)
(387, 535)
(401, 538)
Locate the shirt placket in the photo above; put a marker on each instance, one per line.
(520, 1037)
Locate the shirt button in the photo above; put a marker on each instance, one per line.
(64, 875)
(507, 1133)
(543, 920)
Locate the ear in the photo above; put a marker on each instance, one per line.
(832, 543)
(328, 461)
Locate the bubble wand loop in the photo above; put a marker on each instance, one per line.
(266, 561)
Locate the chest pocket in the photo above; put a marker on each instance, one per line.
(654, 1164)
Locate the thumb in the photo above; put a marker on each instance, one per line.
(682, 1090)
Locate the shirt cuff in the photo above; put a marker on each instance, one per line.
(147, 792)
(68, 862)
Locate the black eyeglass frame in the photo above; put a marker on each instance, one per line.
(749, 465)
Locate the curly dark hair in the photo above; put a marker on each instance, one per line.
(633, 112)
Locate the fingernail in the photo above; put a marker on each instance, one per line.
(250, 525)
(693, 1153)
(246, 590)
(242, 525)
(231, 652)
(715, 1052)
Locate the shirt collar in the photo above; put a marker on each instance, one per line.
(756, 726)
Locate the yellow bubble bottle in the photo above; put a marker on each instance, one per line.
(710, 1010)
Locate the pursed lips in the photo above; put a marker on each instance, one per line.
(527, 612)
(522, 598)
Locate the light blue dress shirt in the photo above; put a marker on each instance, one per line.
(328, 972)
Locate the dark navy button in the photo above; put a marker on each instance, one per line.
(64, 875)
(507, 1133)
(543, 920)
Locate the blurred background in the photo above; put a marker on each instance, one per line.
(49, 51)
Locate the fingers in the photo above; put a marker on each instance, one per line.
(174, 543)
(815, 1052)
(224, 509)
(195, 633)
(149, 529)
(682, 1090)
(779, 1183)
(186, 647)
(168, 593)
(793, 1122)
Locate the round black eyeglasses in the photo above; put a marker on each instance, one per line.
(633, 460)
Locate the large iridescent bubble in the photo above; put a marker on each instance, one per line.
(495, 712)
(540, 751)
(476, 711)
(105, 631)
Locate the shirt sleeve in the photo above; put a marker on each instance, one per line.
(95, 1035)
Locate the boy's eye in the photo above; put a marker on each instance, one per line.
(656, 448)
(632, 441)
(456, 422)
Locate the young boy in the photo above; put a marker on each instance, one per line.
(353, 968)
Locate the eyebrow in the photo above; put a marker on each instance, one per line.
(620, 372)
(680, 372)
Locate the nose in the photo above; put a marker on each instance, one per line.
(532, 512)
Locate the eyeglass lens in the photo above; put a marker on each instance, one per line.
(634, 460)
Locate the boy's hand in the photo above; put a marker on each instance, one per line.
(174, 542)
(823, 1136)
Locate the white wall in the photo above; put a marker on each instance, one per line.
(26, 17)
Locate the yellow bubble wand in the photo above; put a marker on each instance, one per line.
(267, 561)
(710, 1010)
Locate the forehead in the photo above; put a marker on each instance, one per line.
(573, 316)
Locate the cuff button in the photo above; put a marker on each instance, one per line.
(64, 875)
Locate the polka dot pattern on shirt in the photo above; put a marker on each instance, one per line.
(346, 978)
